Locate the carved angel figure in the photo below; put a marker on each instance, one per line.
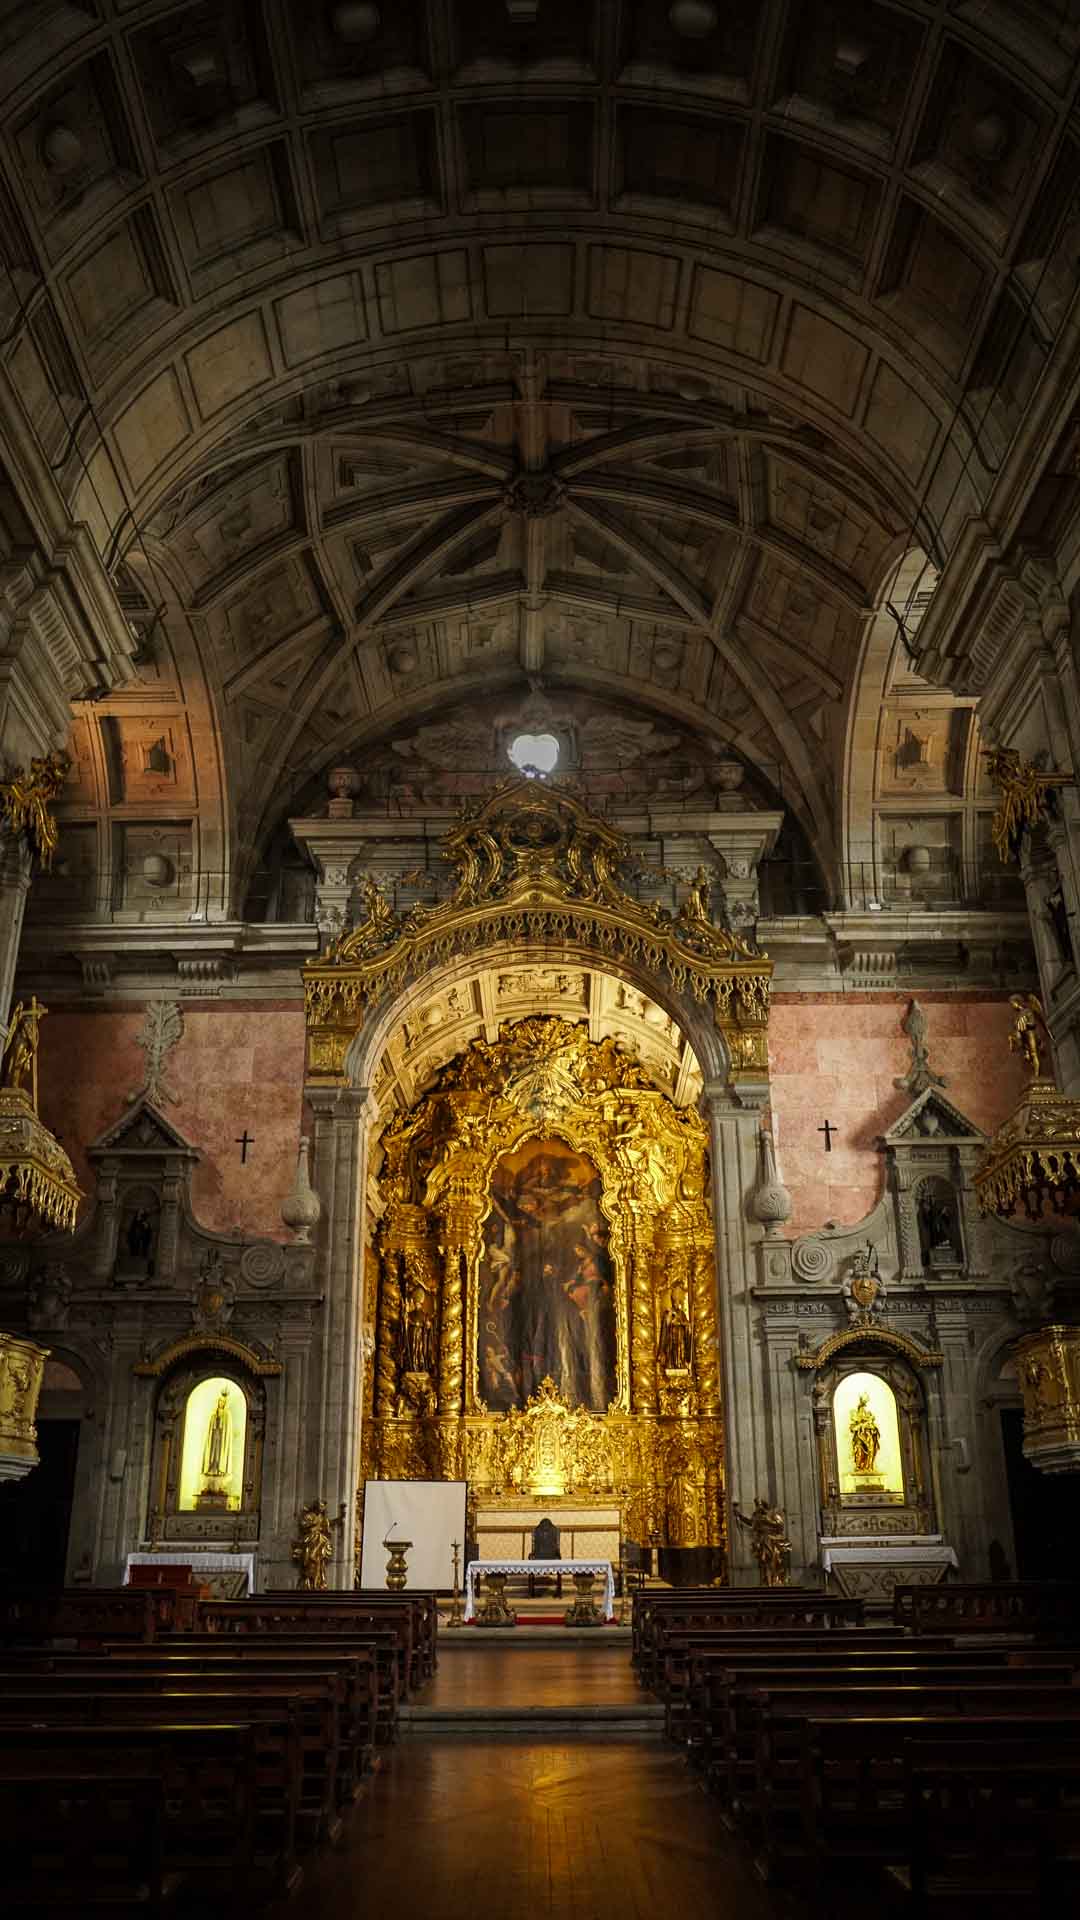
(25, 800)
(768, 1537)
(1026, 1035)
(21, 1043)
(312, 1550)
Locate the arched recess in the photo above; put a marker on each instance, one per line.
(917, 802)
(535, 875)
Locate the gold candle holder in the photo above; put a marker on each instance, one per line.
(457, 1612)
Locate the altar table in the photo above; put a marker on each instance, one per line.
(601, 1569)
(229, 1576)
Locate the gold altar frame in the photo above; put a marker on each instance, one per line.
(658, 1449)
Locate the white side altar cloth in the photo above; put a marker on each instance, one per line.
(897, 1550)
(199, 1562)
(602, 1568)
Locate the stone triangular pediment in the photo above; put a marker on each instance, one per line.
(931, 1117)
(142, 1130)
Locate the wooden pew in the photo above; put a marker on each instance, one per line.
(383, 1644)
(315, 1620)
(1044, 1608)
(854, 1804)
(772, 1610)
(994, 1828)
(207, 1771)
(425, 1608)
(698, 1718)
(297, 1747)
(84, 1614)
(62, 1830)
(344, 1680)
(677, 1646)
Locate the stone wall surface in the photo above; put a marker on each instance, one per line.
(235, 1068)
(836, 1058)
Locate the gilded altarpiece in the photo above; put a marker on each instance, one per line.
(546, 1322)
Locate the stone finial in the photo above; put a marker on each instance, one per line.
(771, 1203)
(920, 1075)
(302, 1208)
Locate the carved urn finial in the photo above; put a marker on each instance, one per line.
(302, 1207)
(771, 1203)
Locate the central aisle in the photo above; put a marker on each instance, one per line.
(474, 1829)
(573, 1825)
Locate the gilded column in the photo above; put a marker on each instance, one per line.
(706, 1341)
(459, 1226)
(642, 1330)
(387, 1338)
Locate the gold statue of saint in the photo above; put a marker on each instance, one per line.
(312, 1550)
(217, 1453)
(1026, 1037)
(21, 1045)
(865, 1436)
(675, 1349)
(768, 1537)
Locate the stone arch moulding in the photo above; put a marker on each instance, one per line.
(533, 868)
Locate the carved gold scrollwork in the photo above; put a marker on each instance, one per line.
(530, 864)
(545, 1079)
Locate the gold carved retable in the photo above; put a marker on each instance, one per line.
(656, 1449)
(530, 865)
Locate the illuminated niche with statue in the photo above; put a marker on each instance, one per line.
(871, 1430)
(545, 1321)
(212, 1449)
(209, 1424)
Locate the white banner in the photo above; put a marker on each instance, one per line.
(430, 1513)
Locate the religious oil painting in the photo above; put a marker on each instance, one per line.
(547, 1287)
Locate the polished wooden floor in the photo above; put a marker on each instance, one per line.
(535, 1677)
(492, 1829)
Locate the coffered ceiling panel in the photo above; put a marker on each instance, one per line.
(628, 343)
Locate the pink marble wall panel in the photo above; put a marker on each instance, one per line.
(836, 1057)
(235, 1068)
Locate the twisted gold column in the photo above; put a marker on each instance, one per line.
(706, 1345)
(642, 1332)
(389, 1320)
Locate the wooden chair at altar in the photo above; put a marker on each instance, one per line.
(545, 1546)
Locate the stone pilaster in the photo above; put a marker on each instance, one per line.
(734, 1124)
(329, 1437)
(14, 887)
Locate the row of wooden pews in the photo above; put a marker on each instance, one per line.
(195, 1764)
(944, 1769)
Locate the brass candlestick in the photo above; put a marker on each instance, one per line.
(457, 1615)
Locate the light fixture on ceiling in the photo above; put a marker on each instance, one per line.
(534, 753)
(694, 19)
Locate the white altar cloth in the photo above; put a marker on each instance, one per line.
(867, 1549)
(200, 1563)
(602, 1568)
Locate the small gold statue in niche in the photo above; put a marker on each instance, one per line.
(217, 1457)
(768, 1538)
(865, 1436)
(676, 1345)
(20, 1046)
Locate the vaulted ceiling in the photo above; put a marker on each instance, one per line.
(398, 353)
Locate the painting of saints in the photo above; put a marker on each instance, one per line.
(547, 1298)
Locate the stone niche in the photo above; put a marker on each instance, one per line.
(157, 1313)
